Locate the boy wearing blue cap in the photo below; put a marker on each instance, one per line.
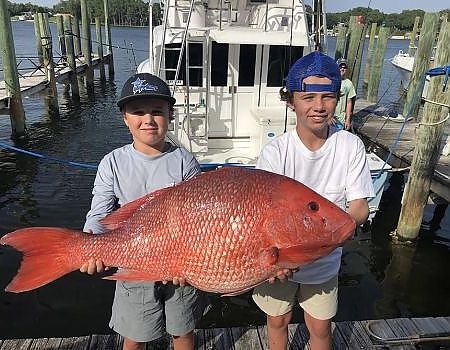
(144, 311)
(333, 163)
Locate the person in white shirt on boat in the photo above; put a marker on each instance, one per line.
(333, 163)
(344, 107)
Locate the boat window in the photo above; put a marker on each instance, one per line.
(280, 59)
(247, 57)
(219, 64)
(195, 63)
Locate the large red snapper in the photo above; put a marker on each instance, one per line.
(224, 231)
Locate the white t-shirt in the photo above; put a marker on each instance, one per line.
(338, 171)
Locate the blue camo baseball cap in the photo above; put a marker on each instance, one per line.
(314, 64)
(144, 85)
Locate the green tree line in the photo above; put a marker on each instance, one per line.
(135, 13)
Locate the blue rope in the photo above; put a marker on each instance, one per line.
(204, 167)
(444, 70)
(49, 158)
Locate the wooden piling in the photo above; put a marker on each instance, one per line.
(98, 33)
(49, 65)
(426, 152)
(378, 60)
(16, 111)
(37, 34)
(370, 52)
(355, 49)
(341, 42)
(108, 39)
(76, 36)
(421, 64)
(61, 38)
(86, 44)
(68, 36)
(412, 41)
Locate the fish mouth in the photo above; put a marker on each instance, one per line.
(344, 232)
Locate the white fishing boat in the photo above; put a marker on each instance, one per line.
(404, 62)
(225, 61)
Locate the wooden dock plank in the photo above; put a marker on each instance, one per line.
(350, 335)
(298, 337)
(16, 344)
(376, 129)
(249, 338)
(356, 337)
(218, 339)
(105, 342)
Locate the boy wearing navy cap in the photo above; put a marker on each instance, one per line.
(333, 163)
(142, 312)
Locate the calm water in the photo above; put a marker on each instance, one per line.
(379, 279)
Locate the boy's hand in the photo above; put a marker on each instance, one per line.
(177, 281)
(93, 266)
(282, 275)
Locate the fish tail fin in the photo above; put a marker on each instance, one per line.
(45, 256)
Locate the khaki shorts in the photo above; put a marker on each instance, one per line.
(318, 300)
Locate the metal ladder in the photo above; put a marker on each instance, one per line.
(183, 49)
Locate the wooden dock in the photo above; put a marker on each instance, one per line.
(36, 80)
(346, 335)
(380, 130)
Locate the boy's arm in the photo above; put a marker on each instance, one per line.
(359, 210)
(103, 203)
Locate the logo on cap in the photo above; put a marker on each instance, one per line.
(140, 85)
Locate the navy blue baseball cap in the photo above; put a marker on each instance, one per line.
(144, 85)
(314, 64)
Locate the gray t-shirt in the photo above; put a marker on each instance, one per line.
(125, 174)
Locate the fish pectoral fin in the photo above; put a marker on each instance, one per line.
(295, 256)
(268, 256)
(132, 275)
(232, 294)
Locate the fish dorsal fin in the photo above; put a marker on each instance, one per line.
(118, 217)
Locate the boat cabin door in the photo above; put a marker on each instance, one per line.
(233, 84)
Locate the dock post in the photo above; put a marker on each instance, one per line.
(61, 39)
(37, 34)
(421, 62)
(426, 152)
(98, 33)
(16, 111)
(370, 52)
(108, 40)
(412, 41)
(47, 47)
(377, 65)
(341, 42)
(76, 34)
(355, 49)
(68, 36)
(86, 44)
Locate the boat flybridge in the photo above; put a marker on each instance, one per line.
(225, 61)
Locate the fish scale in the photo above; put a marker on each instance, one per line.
(224, 231)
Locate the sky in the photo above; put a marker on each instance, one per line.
(385, 6)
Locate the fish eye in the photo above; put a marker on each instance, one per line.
(314, 206)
